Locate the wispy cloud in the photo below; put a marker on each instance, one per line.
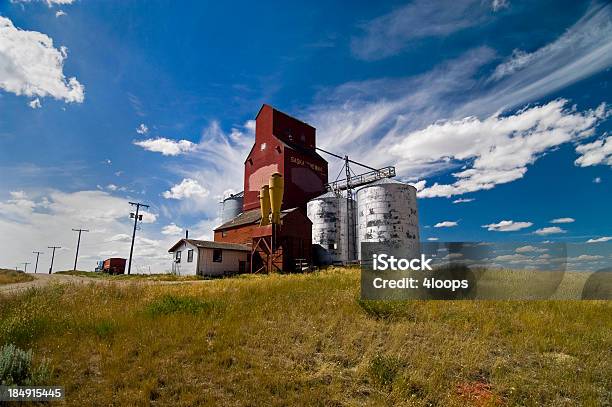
(563, 220)
(389, 34)
(400, 121)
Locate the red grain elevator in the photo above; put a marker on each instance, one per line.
(286, 145)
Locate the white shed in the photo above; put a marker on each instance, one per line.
(206, 258)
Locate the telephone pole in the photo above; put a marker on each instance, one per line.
(136, 217)
(25, 266)
(53, 256)
(37, 255)
(76, 257)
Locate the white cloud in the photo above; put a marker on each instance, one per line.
(495, 150)
(445, 224)
(597, 180)
(218, 155)
(121, 237)
(188, 188)
(563, 220)
(389, 34)
(364, 118)
(597, 152)
(35, 104)
(166, 146)
(551, 230)
(33, 220)
(172, 230)
(507, 226)
(516, 258)
(148, 217)
(432, 239)
(60, 13)
(529, 249)
(30, 65)
(463, 200)
(600, 239)
(142, 129)
(584, 257)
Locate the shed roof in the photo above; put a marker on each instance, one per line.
(207, 244)
(249, 217)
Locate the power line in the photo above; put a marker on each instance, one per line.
(37, 255)
(136, 217)
(53, 256)
(25, 266)
(76, 257)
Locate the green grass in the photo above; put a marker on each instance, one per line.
(146, 277)
(308, 340)
(12, 276)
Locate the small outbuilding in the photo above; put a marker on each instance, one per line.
(209, 259)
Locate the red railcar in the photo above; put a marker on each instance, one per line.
(114, 265)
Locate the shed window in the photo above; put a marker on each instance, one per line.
(177, 256)
(189, 256)
(217, 255)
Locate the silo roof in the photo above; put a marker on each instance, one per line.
(384, 181)
(326, 195)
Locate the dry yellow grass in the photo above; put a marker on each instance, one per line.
(308, 340)
(12, 276)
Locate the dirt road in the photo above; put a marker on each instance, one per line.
(41, 280)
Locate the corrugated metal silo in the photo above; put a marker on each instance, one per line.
(328, 214)
(232, 207)
(387, 212)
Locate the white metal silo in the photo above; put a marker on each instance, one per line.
(333, 227)
(387, 212)
(232, 207)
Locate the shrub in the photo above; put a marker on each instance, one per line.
(16, 367)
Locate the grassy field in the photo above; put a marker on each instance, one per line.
(308, 340)
(12, 276)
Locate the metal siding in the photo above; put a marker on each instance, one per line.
(387, 211)
(232, 207)
(328, 214)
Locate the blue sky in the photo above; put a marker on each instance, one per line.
(501, 104)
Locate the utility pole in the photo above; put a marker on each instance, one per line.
(76, 257)
(136, 217)
(25, 266)
(53, 256)
(37, 255)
